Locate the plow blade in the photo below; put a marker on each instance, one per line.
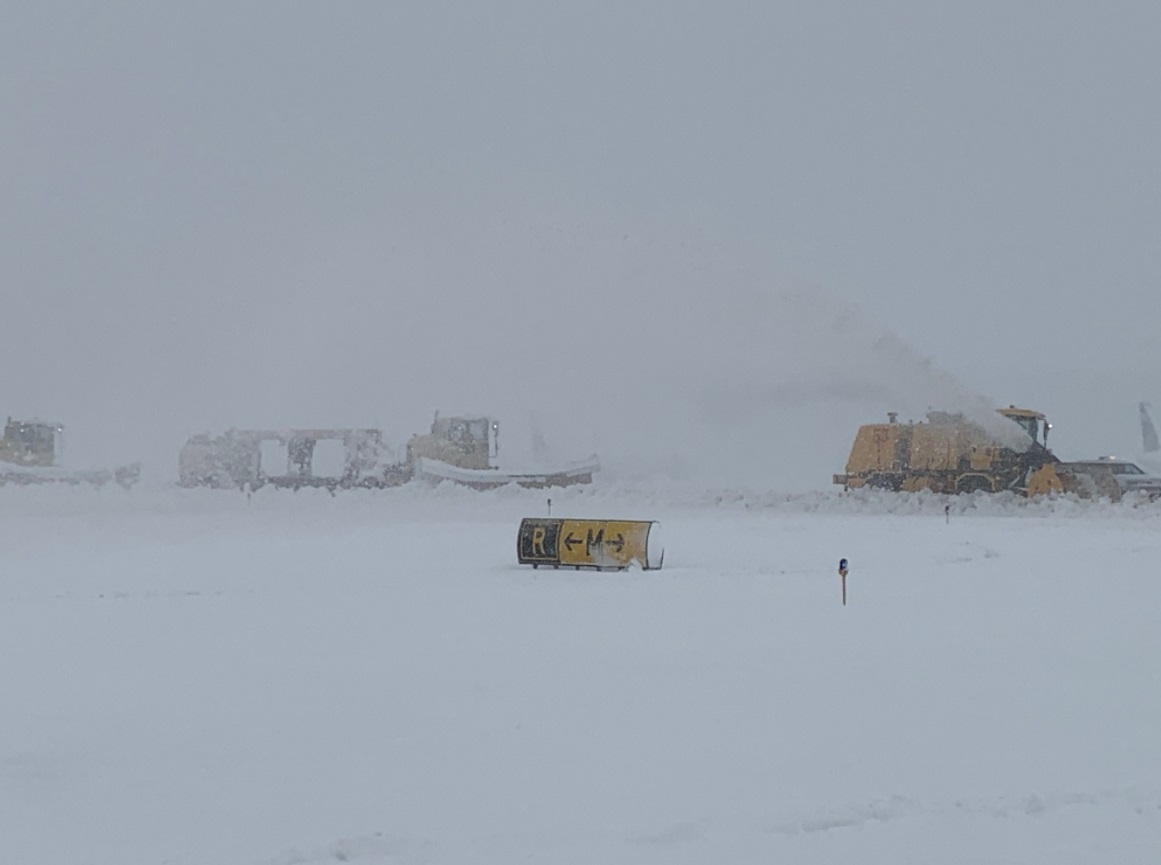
(488, 479)
(124, 476)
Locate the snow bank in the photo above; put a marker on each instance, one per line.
(446, 498)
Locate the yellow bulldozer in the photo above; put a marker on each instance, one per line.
(948, 453)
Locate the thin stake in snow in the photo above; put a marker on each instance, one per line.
(843, 573)
(550, 507)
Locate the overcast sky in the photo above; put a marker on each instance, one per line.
(675, 232)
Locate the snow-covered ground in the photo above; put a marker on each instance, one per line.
(194, 677)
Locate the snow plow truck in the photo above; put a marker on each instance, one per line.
(458, 449)
(30, 454)
(948, 453)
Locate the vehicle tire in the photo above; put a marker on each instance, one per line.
(973, 484)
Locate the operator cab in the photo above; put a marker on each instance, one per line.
(32, 443)
(462, 431)
(1033, 423)
(463, 441)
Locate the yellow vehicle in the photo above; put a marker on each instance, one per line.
(948, 453)
(30, 443)
(463, 450)
(30, 454)
(464, 442)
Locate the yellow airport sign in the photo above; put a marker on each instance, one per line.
(601, 544)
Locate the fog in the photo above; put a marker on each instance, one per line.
(704, 241)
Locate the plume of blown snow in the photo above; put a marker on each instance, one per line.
(765, 392)
(784, 402)
(919, 381)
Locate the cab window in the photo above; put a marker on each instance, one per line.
(1030, 425)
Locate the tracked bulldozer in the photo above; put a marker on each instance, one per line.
(30, 454)
(948, 453)
(458, 449)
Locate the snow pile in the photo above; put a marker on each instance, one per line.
(434, 499)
